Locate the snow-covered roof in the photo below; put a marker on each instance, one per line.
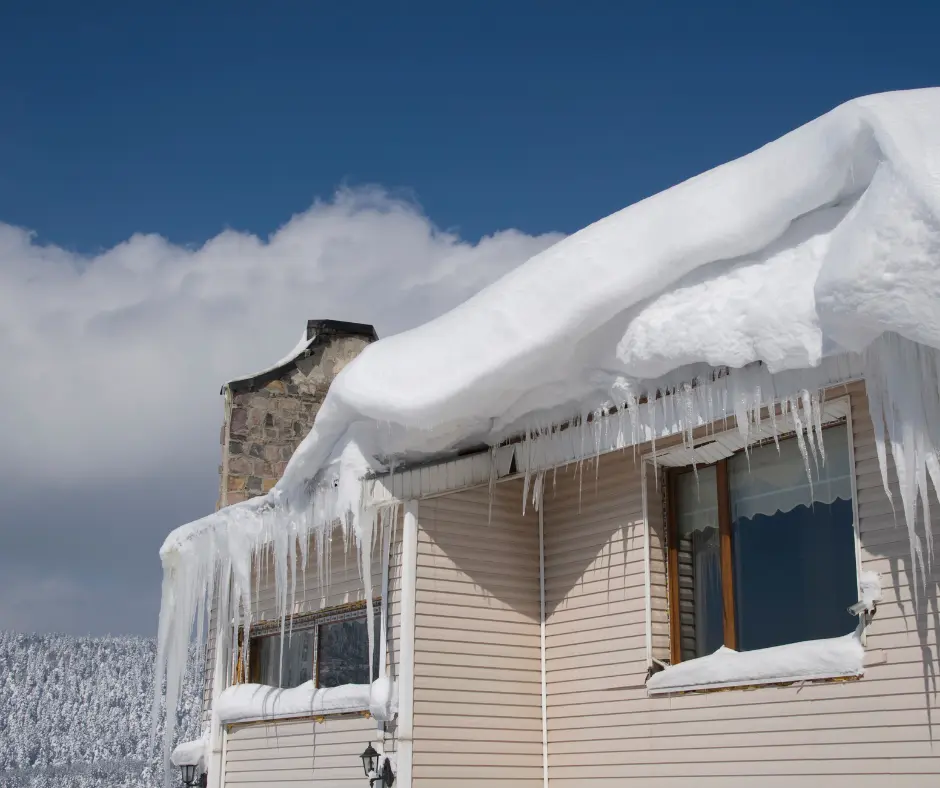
(816, 243)
(824, 243)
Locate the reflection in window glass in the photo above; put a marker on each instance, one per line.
(700, 602)
(793, 543)
(298, 659)
(344, 653)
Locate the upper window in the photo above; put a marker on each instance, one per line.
(762, 549)
(330, 647)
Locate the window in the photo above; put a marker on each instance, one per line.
(330, 647)
(759, 555)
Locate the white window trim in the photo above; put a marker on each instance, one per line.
(841, 405)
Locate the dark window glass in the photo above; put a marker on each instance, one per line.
(338, 651)
(793, 544)
(344, 653)
(297, 660)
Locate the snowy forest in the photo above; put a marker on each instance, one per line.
(75, 712)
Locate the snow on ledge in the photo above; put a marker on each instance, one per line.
(252, 702)
(192, 753)
(807, 661)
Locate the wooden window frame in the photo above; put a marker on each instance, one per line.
(725, 542)
(300, 622)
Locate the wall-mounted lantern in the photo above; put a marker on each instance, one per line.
(379, 776)
(370, 759)
(191, 777)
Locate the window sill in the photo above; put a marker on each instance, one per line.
(833, 659)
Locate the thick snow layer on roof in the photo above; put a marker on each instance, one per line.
(824, 241)
(806, 661)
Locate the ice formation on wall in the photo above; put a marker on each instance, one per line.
(819, 249)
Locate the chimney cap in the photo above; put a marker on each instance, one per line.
(317, 331)
(340, 327)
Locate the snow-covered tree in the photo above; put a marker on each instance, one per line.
(75, 712)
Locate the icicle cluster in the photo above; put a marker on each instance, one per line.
(215, 568)
(903, 384)
(736, 397)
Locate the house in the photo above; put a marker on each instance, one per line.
(665, 522)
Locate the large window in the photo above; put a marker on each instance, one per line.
(330, 647)
(762, 553)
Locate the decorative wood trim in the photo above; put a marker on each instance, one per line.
(320, 718)
(672, 575)
(727, 560)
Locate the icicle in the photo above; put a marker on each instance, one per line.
(903, 379)
(807, 404)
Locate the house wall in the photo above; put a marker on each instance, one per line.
(477, 673)
(602, 725)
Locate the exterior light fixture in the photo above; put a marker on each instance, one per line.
(370, 759)
(188, 771)
(378, 777)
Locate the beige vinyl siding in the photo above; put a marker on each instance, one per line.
(298, 753)
(477, 676)
(602, 725)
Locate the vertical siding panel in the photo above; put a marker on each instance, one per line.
(477, 712)
(602, 726)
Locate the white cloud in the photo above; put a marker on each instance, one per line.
(111, 364)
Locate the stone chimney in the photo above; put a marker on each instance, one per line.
(268, 414)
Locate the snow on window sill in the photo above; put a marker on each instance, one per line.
(810, 660)
(257, 702)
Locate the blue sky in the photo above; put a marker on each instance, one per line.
(186, 118)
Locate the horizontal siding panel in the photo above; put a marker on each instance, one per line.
(430, 774)
(732, 766)
(747, 781)
(487, 726)
(445, 732)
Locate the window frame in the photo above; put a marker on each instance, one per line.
(301, 622)
(665, 498)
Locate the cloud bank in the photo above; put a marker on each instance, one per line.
(111, 367)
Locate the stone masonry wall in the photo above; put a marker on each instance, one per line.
(267, 421)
